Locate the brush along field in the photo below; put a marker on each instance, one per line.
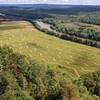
(76, 59)
(77, 25)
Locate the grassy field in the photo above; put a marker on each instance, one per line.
(74, 58)
(77, 25)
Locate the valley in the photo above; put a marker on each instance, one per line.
(49, 52)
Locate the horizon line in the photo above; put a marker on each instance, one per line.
(48, 4)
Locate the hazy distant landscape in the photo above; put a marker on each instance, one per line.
(49, 52)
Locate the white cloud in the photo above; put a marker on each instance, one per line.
(90, 1)
(40, 0)
(65, 0)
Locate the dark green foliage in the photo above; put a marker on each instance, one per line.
(7, 57)
(92, 82)
(21, 80)
(83, 35)
(90, 20)
(3, 84)
(82, 32)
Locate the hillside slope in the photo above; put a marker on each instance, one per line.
(74, 58)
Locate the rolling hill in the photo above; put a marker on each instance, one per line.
(73, 58)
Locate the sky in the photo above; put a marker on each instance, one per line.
(82, 2)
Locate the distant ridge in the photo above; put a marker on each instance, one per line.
(51, 6)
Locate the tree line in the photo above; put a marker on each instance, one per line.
(70, 34)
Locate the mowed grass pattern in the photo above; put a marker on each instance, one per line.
(74, 58)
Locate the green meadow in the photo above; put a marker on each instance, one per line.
(74, 58)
